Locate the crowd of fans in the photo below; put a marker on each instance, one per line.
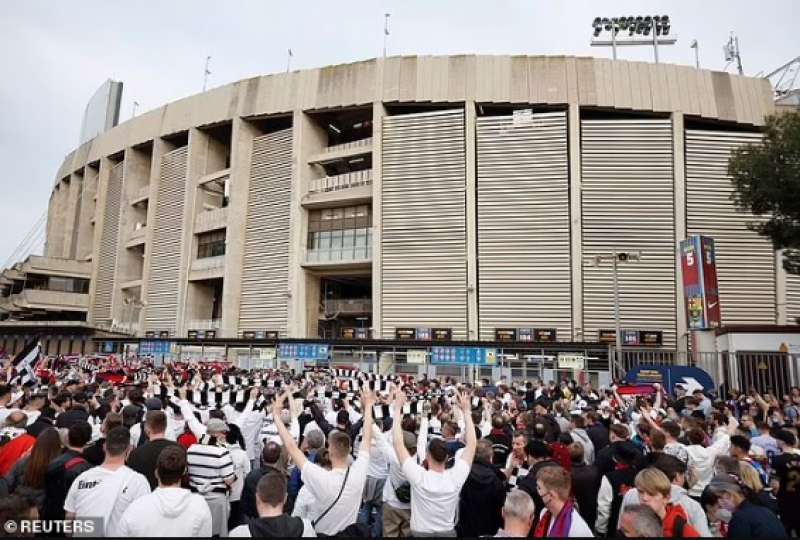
(187, 451)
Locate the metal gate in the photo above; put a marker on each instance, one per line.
(766, 372)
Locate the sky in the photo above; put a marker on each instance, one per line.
(54, 55)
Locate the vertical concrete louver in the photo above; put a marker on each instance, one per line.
(792, 299)
(85, 229)
(628, 205)
(75, 215)
(162, 291)
(745, 260)
(265, 271)
(523, 224)
(109, 242)
(423, 236)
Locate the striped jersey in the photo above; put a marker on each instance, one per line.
(209, 466)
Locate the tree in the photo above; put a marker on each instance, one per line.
(766, 181)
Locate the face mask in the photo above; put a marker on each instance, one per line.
(724, 515)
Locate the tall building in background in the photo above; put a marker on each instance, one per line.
(102, 111)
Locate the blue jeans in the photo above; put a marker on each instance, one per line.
(371, 515)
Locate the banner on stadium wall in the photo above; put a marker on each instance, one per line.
(668, 376)
(700, 290)
(473, 356)
(571, 361)
(303, 351)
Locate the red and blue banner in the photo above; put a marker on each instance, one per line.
(698, 262)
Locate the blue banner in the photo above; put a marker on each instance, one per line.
(303, 351)
(473, 356)
(668, 376)
(154, 347)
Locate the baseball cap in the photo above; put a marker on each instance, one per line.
(130, 415)
(409, 440)
(153, 404)
(215, 425)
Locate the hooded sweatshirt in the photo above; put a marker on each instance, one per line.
(481, 500)
(170, 511)
(283, 526)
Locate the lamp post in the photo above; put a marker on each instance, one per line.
(616, 257)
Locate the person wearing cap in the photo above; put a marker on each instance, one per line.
(435, 492)
(211, 472)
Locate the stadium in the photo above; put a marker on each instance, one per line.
(415, 197)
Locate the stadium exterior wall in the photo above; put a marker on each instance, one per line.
(616, 154)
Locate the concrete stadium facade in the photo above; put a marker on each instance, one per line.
(466, 193)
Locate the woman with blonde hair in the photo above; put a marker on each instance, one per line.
(751, 481)
(655, 491)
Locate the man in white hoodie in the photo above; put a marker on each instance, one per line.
(170, 510)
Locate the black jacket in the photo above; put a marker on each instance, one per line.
(585, 487)
(248, 500)
(482, 498)
(283, 526)
(528, 484)
(604, 459)
(752, 521)
(598, 434)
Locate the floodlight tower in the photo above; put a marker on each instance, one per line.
(639, 32)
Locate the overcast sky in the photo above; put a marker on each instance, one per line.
(54, 55)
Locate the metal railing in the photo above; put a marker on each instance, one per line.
(341, 181)
(343, 254)
(348, 306)
(348, 145)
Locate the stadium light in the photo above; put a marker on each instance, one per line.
(639, 32)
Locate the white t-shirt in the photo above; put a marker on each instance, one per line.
(434, 495)
(100, 492)
(577, 529)
(241, 466)
(304, 503)
(324, 485)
